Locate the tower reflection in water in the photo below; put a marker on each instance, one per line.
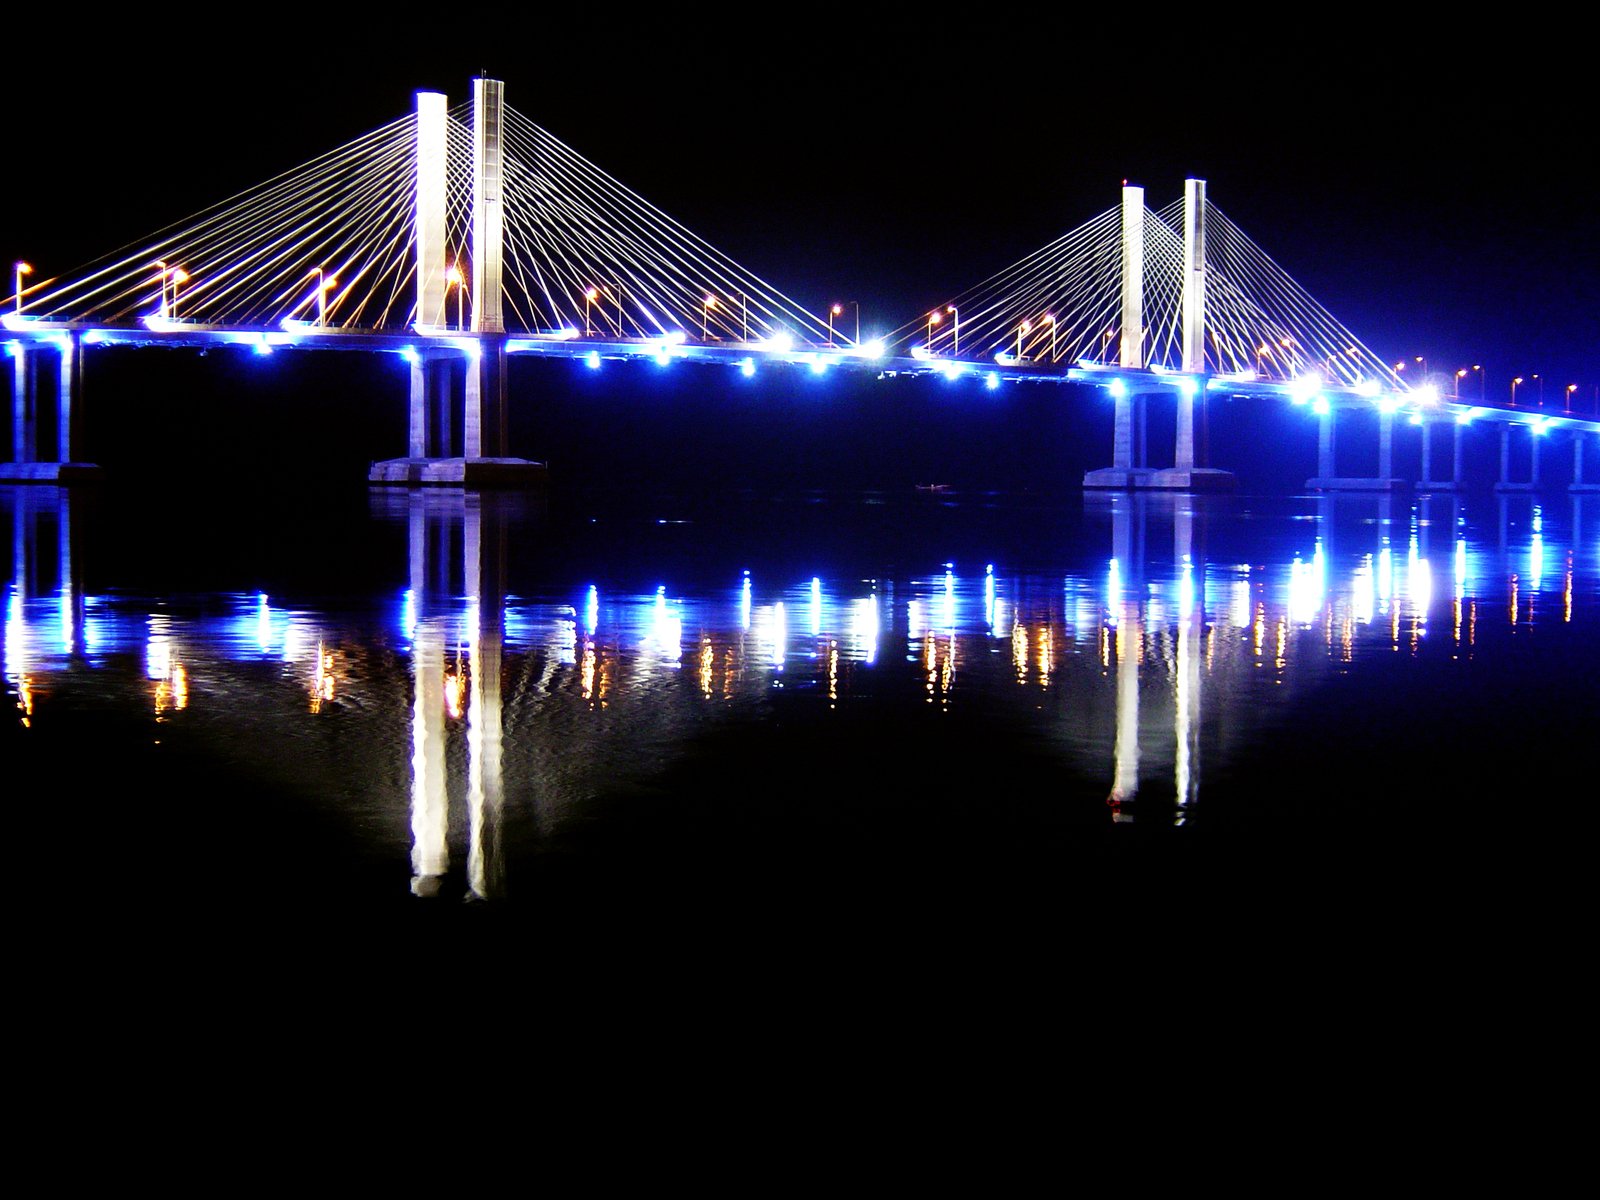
(456, 672)
(1186, 633)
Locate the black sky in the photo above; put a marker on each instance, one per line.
(1434, 188)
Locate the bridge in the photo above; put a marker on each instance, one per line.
(460, 237)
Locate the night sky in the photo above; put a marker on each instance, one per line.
(1435, 189)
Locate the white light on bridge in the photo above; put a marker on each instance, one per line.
(1118, 388)
(1303, 387)
(874, 348)
(991, 381)
(1388, 405)
(409, 353)
(1367, 388)
(592, 360)
(779, 342)
(1427, 394)
(1320, 406)
(1188, 387)
(952, 371)
(747, 368)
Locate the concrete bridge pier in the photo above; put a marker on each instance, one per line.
(28, 418)
(1384, 481)
(1579, 484)
(1125, 472)
(1428, 483)
(1505, 482)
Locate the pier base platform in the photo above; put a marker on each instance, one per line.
(1519, 487)
(50, 472)
(1431, 485)
(1584, 487)
(1193, 479)
(1342, 484)
(459, 472)
(1118, 478)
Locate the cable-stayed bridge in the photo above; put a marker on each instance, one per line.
(458, 237)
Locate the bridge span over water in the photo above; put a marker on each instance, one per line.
(462, 238)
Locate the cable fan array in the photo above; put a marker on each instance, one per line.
(585, 253)
(329, 242)
(332, 244)
(1259, 319)
(1062, 304)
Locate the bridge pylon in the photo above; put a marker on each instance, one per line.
(483, 461)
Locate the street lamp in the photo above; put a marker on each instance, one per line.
(322, 294)
(1540, 378)
(179, 275)
(1460, 375)
(933, 319)
(1050, 320)
(833, 311)
(22, 269)
(589, 298)
(1260, 352)
(1423, 363)
(1482, 381)
(1022, 329)
(705, 318)
(1567, 405)
(455, 276)
(163, 267)
(1514, 383)
(955, 331)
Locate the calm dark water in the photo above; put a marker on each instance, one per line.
(929, 706)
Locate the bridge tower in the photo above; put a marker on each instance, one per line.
(1122, 473)
(1186, 475)
(480, 348)
(1129, 469)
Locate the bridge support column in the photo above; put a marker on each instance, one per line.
(22, 402)
(1578, 484)
(27, 417)
(1505, 483)
(1430, 484)
(1384, 481)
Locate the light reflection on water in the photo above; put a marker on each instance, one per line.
(464, 707)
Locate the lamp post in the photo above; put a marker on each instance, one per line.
(21, 269)
(323, 284)
(1540, 378)
(1514, 383)
(933, 319)
(163, 267)
(1050, 320)
(1261, 351)
(1423, 363)
(955, 331)
(1460, 375)
(589, 298)
(1022, 329)
(834, 310)
(179, 275)
(1567, 405)
(705, 318)
(1482, 384)
(454, 276)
